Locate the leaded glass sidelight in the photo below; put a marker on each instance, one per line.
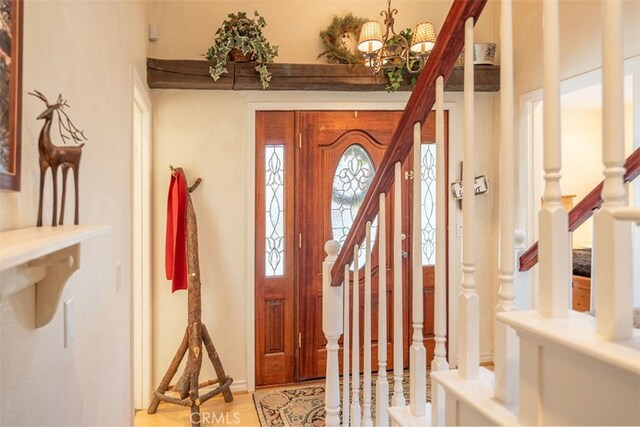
(351, 181)
(274, 210)
(428, 177)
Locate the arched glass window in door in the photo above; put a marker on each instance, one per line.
(351, 181)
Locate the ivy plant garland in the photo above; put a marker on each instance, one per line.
(397, 73)
(341, 38)
(245, 34)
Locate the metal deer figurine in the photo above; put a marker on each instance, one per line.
(56, 156)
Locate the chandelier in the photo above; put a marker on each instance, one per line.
(393, 50)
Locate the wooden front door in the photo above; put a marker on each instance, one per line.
(306, 190)
(341, 151)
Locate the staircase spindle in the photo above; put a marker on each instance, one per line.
(345, 350)
(521, 279)
(398, 342)
(554, 238)
(355, 348)
(366, 401)
(332, 327)
(418, 354)
(468, 305)
(439, 362)
(382, 386)
(506, 344)
(612, 243)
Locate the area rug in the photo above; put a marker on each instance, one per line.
(304, 405)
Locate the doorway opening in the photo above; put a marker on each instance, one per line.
(141, 239)
(581, 133)
(300, 156)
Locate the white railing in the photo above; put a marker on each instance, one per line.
(398, 342)
(353, 411)
(468, 303)
(359, 412)
(612, 258)
(439, 362)
(612, 237)
(506, 344)
(382, 386)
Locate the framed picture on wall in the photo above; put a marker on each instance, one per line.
(10, 92)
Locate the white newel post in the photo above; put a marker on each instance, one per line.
(332, 328)
(418, 354)
(366, 398)
(612, 238)
(355, 343)
(468, 302)
(506, 344)
(553, 244)
(398, 343)
(439, 362)
(345, 350)
(382, 386)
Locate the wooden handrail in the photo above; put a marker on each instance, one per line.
(584, 209)
(448, 46)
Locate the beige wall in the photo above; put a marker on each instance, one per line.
(580, 50)
(582, 156)
(206, 133)
(186, 28)
(582, 153)
(84, 50)
(580, 39)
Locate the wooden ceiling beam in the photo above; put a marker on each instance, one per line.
(194, 74)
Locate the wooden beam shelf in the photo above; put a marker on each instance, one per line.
(194, 74)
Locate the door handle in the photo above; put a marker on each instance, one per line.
(405, 254)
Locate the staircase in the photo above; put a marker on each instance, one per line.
(553, 366)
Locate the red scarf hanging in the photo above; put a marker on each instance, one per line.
(176, 245)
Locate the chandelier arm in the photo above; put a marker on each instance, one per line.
(376, 61)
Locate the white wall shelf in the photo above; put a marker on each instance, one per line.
(44, 257)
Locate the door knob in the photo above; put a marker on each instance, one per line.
(405, 254)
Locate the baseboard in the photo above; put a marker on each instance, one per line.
(238, 386)
(486, 358)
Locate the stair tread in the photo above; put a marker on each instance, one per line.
(401, 415)
(577, 332)
(478, 394)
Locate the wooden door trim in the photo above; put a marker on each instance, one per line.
(382, 103)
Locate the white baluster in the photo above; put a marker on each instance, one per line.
(366, 401)
(398, 342)
(382, 386)
(355, 344)
(418, 354)
(612, 238)
(468, 303)
(521, 279)
(439, 362)
(553, 245)
(332, 328)
(345, 350)
(506, 344)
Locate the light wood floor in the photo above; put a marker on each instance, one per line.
(240, 412)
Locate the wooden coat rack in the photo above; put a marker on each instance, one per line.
(196, 334)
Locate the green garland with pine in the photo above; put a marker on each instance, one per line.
(337, 52)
